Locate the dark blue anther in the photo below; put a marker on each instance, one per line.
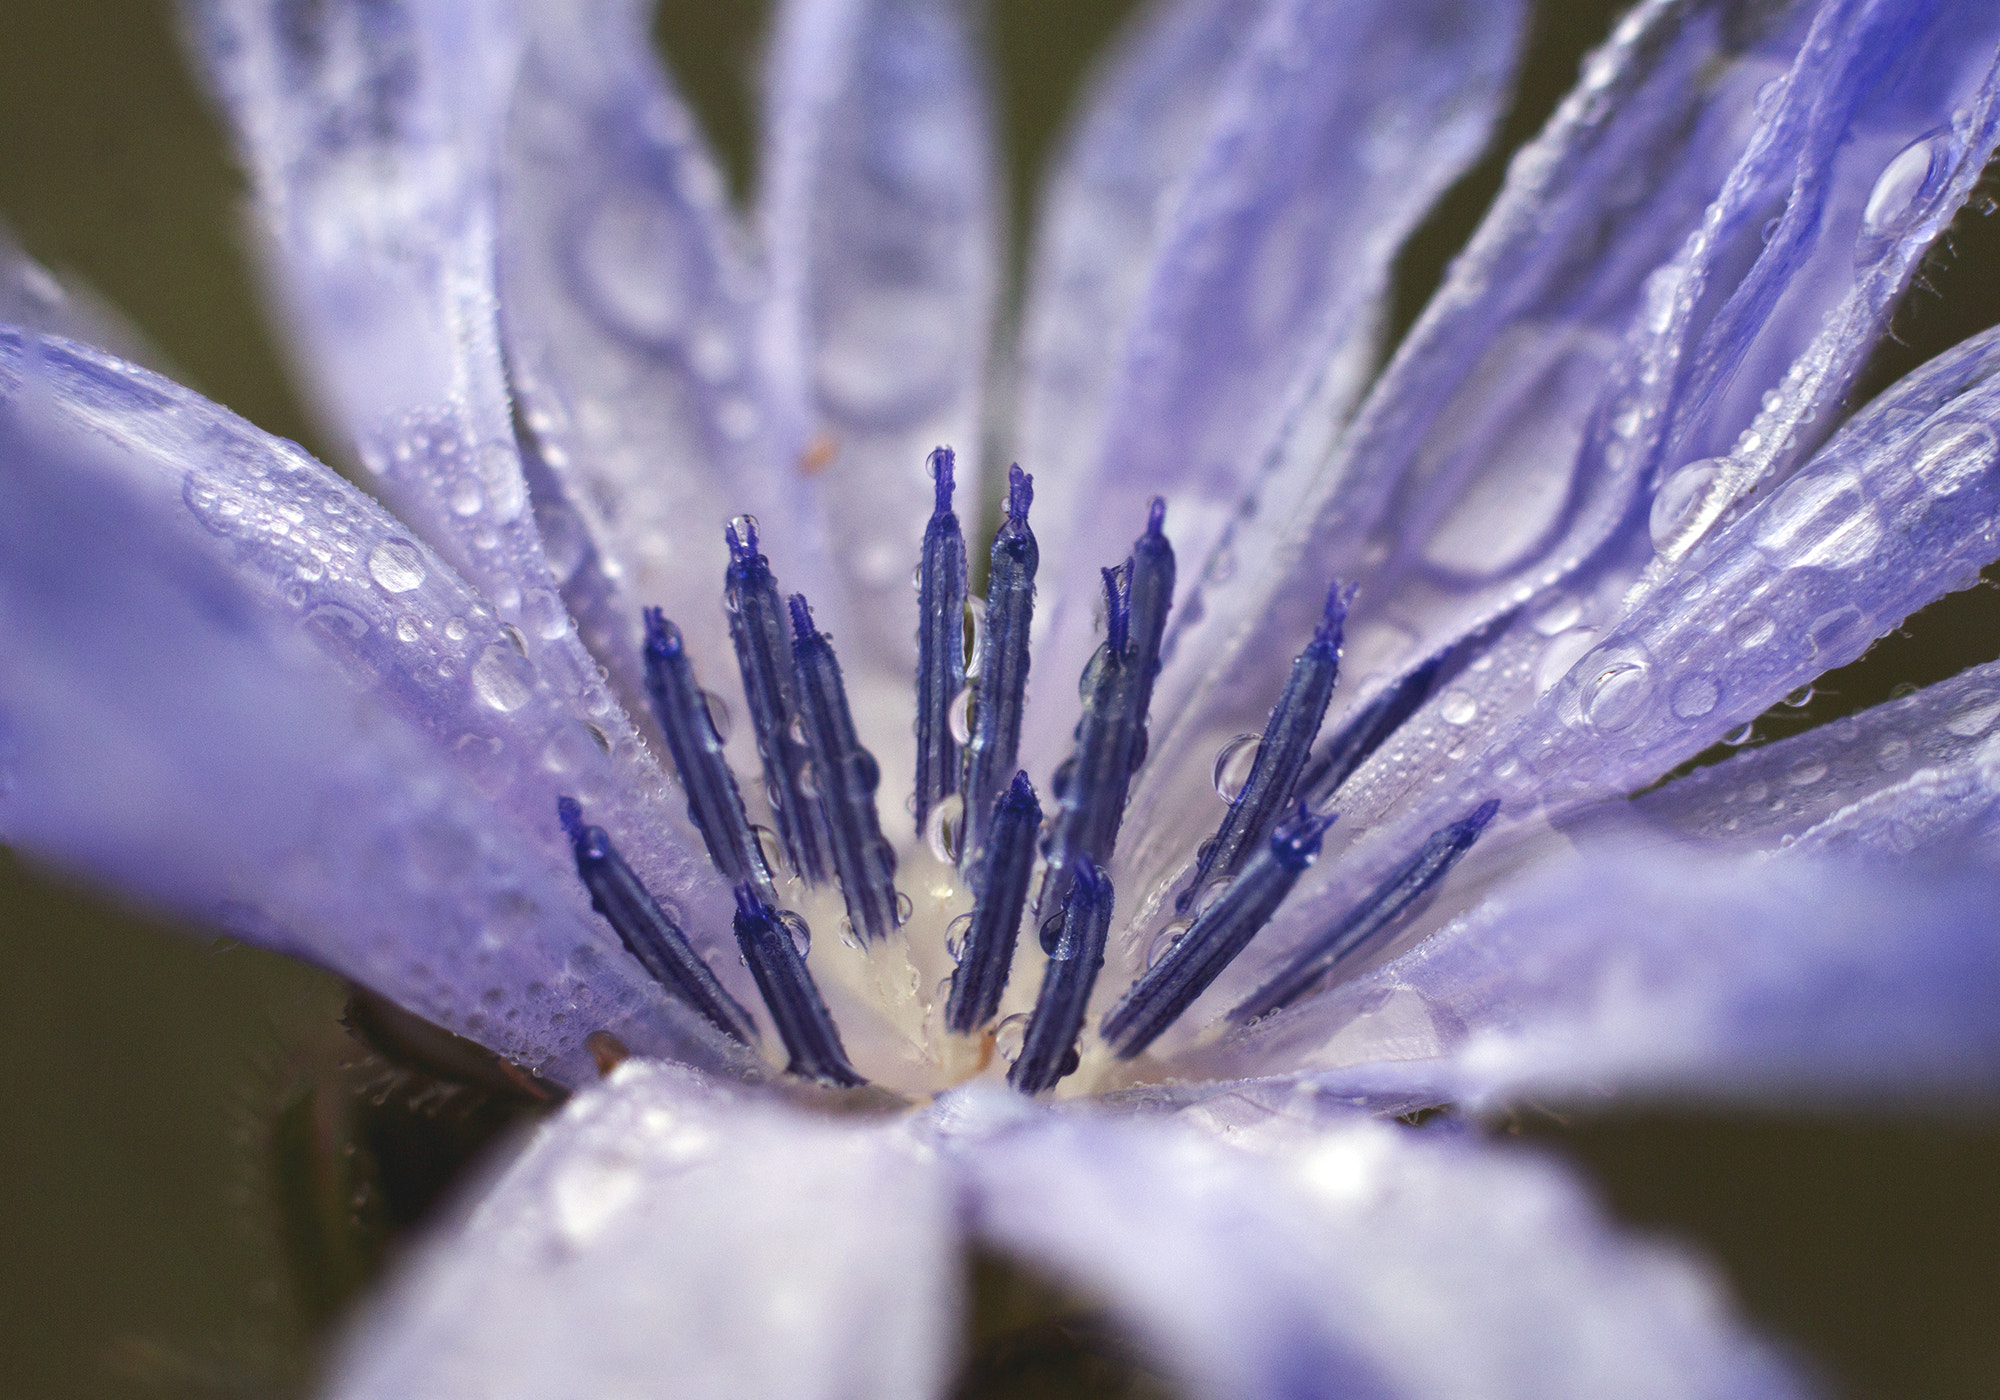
(845, 775)
(1048, 1051)
(644, 928)
(759, 627)
(1281, 756)
(1357, 929)
(1211, 943)
(714, 804)
(1004, 868)
(1118, 690)
(940, 646)
(803, 1022)
(1003, 668)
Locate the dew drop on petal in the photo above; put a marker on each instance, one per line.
(1952, 455)
(1677, 498)
(1753, 631)
(397, 566)
(1233, 763)
(502, 678)
(1900, 184)
(1614, 696)
(1976, 717)
(1694, 697)
(1740, 735)
(1457, 707)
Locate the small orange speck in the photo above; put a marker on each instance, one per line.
(607, 1049)
(818, 454)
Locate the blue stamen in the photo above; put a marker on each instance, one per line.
(715, 806)
(803, 1022)
(1281, 756)
(1366, 730)
(763, 638)
(846, 775)
(1359, 927)
(940, 646)
(1213, 941)
(1111, 736)
(644, 928)
(1004, 869)
(1048, 1051)
(1003, 669)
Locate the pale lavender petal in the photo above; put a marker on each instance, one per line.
(1262, 1256)
(1644, 967)
(1897, 510)
(1729, 339)
(1917, 771)
(1337, 128)
(1485, 408)
(233, 686)
(1114, 192)
(373, 134)
(880, 212)
(629, 304)
(660, 1237)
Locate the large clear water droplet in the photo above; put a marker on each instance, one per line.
(801, 932)
(1615, 695)
(958, 716)
(1677, 497)
(502, 678)
(954, 936)
(1233, 763)
(1010, 1035)
(1954, 454)
(1164, 941)
(1902, 183)
(944, 828)
(397, 566)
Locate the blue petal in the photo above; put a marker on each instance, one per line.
(1913, 777)
(1337, 128)
(661, 1238)
(233, 686)
(629, 308)
(1516, 431)
(373, 135)
(1308, 1255)
(880, 212)
(1645, 969)
(1113, 195)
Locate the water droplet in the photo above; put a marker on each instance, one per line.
(1233, 763)
(905, 907)
(847, 935)
(954, 936)
(502, 678)
(1975, 718)
(1820, 521)
(1954, 454)
(1806, 774)
(544, 611)
(808, 781)
(1561, 655)
(1902, 183)
(455, 629)
(1010, 1035)
(1457, 707)
(1741, 734)
(718, 714)
(397, 566)
(1557, 615)
(888, 351)
(465, 497)
(1164, 941)
(975, 624)
(629, 257)
(1753, 631)
(1799, 698)
(1893, 754)
(1674, 504)
(1616, 694)
(958, 716)
(407, 630)
(801, 932)
(1694, 697)
(944, 828)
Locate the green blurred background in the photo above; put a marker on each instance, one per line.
(137, 1255)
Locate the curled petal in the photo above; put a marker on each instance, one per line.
(234, 687)
(1346, 1257)
(35, 299)
(880, 212)
(628, 305)
(659, 1234)
(1261, 303)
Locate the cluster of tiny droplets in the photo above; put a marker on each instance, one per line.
(993, 855)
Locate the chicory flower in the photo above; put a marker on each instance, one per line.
(1605, 504)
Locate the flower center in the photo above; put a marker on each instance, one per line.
(935, 968)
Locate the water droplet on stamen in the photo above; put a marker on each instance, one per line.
(718, 714)
(954, 937)
(800, 931)
(1233, 763)
(958, 716)
(944, 828)
(1164, 941)
(1010, 1035)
